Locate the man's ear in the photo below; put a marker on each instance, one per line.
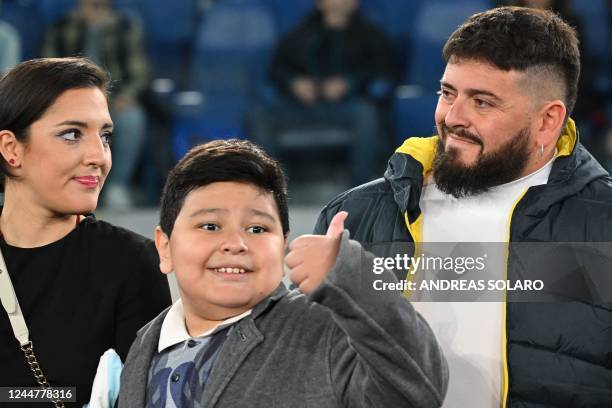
(552, 118)
(11, 149)
(162, 243)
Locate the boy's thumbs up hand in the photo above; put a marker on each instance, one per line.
(311, 257)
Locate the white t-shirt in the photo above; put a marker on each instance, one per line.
(470, 333)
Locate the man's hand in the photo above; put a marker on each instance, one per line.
(608, 142)
(305, 90)
(334, 88)
(312, 257)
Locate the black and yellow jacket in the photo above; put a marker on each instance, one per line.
(556, 354)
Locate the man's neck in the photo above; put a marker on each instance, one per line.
(336, 21)
(538, 163)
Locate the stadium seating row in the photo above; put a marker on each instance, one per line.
(215, 53)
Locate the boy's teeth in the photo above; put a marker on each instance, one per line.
(231, 270)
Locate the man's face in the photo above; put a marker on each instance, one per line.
(343, 7)
(226, 249)
(94, 11)
(483, 119)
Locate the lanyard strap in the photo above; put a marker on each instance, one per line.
(11, 305)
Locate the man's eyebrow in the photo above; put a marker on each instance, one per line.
(84, 125)
(473, 91)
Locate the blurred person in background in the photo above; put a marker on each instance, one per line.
(83, 285)
(336, 69)
(95, 30)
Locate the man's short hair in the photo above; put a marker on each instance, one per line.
(521, 39)
(230, 160)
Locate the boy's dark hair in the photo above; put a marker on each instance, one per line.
(518, 38)
(222, 160)
(30, 88)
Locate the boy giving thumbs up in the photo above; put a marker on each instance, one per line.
(237, 337)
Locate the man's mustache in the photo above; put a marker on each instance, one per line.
(461, 132)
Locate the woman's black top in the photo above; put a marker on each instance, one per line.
(88, 292)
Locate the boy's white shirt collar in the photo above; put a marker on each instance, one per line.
(173, 330)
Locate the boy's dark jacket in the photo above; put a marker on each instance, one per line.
(558, 354)
(345, 345)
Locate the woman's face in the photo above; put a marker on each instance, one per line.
(67, 157)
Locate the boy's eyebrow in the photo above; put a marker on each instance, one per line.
(262, 214)
(203, 211)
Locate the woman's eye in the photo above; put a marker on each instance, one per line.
(257, 229)
(107, 137)
(209, 227)
(70, 135)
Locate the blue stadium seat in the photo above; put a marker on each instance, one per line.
(169, 27)
(216, 118)
(169, 21)
(434, 23)
(233, 46)
(128, 5)
(288, 14)
(53, 10)
(231, 54)
(395, 17)
(25, 17)
(414, 115)
(594, 17)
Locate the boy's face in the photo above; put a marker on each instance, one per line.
(226, 249)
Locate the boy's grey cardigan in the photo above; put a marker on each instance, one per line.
(345, 345)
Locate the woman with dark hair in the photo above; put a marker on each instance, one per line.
(82, 285)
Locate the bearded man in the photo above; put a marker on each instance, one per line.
(506, 166)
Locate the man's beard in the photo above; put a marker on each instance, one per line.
(490, 170)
